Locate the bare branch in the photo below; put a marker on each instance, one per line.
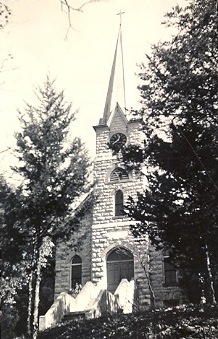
(86, 3)
(68, 8)
(5, 150)
(5, 13)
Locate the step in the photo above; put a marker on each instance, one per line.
(80, 315)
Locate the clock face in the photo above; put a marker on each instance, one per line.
(118, 139)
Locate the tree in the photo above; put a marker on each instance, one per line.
(67, 6)
(55, 174)
(12, 241)
(12, 263)
(180, 121)
(4, 13)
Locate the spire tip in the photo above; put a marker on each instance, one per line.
(120, 14)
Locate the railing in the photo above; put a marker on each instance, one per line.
(105, 303)
(65, 303)
(91, 300)
(88, 292)
(56, 312)
(125, 293)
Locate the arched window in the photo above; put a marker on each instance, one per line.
(119, 203)
(76, 271)
(118, 174)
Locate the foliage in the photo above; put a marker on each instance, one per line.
(54, 172)
(9, 319)
(179, 87)
(76, 290)
(178, 322)
(13, 243)
(5, 13)
(47, 285)
(14, 267)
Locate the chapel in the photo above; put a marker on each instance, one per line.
(105, 253)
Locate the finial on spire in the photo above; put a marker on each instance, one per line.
(120, 14)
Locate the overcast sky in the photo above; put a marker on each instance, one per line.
(81, 64)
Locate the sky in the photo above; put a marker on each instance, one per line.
(37, 43)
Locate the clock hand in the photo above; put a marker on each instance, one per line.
(118, 139)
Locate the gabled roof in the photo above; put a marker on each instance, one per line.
(117, 114)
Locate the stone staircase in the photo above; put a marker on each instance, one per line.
(91, 302)
(78, 316)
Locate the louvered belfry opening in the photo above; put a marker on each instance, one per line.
(119, 174)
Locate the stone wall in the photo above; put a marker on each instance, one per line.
(79, 243)
(163, 294)
(104, 164)
(110, 231)
(101, 231)
(117, 235)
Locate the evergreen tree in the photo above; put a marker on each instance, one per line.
(179, 93)
(13, 265)
(12, 241)
(55, 174)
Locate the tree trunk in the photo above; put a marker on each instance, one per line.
(151, 291)
(37, 298)
(210, 276)
(30, 298)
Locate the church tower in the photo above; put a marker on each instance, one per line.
(108, 252)
(103, 252)
(114, 251)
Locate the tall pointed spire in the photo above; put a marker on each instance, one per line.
(111, 90)
(107, 106)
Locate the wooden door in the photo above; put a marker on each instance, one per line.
(113, 276)
(119, 266)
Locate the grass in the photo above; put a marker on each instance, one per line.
(187, 321)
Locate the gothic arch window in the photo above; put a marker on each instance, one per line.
(119, 203)
(76, 271)
(118, 174)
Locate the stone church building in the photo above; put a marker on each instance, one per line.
(108, 252)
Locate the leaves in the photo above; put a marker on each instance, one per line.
(180, 112)
(182, 321)
(54, 176)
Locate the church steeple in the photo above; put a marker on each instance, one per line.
(107, 106)
(116, 86)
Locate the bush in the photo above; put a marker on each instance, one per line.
(187, 321)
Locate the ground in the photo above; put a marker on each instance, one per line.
(187, 321)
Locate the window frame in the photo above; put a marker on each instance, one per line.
(124, 172)
(78, 280)
(118, 205)
(169, 272)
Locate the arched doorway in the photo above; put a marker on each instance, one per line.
(120, 265)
